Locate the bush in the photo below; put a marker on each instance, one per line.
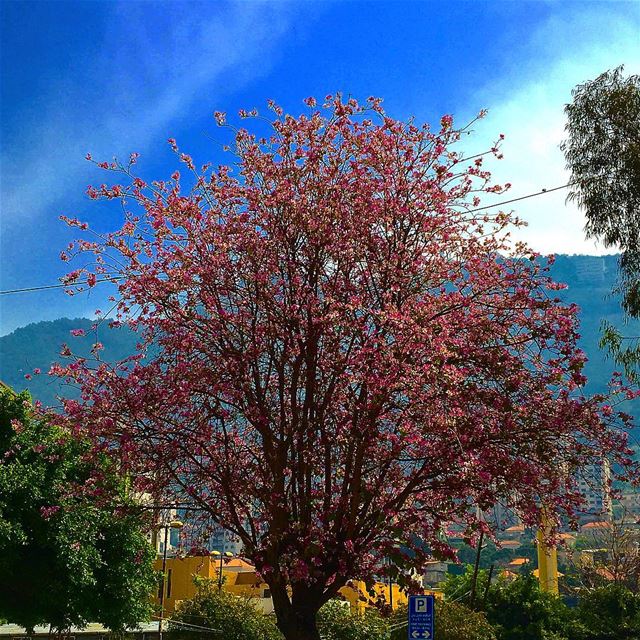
(336, 622)
(608, 613)
(517, 610)
(454, 621)
(520, 611)
(237, 618)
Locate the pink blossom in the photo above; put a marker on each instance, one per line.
(48, 512)
(337, 350)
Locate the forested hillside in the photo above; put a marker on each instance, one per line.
(37, 346)
(590, 281)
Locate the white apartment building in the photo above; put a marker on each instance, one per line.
(224, 541)
(594, 482)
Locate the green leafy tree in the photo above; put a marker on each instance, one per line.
(519, 610)
(459, 588)
(66, 557)
(336, 622)
(602, 152)
(492, 555)
(455, 621)
(611, 612)
(233, 617)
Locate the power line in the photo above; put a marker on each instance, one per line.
(530, 195)
(52, 286)
(112, 280)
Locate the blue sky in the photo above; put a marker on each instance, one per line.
(111, 78)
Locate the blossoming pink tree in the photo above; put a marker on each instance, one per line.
(342, 351)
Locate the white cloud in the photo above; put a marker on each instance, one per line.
(527, 106)
(145, 74)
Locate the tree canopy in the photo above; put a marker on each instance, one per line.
(347, 350)
(602, 151)
(65, 558)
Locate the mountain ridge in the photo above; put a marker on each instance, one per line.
(590, 281)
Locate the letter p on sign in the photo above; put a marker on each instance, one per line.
(420, 605)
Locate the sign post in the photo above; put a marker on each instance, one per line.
(422, 616)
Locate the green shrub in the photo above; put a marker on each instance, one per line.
(521, 611)
(455, 621)
(336, 622)
(608, 613)
(236, 618)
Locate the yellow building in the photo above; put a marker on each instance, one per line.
(240, 578)
(359, 597)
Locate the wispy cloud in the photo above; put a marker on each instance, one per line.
(527, 105)
(155, 69)
(146, 73)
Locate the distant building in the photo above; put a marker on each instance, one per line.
(434, 573)
(160, 529)
(510, 544)
(515, 532)
(224, 541)
(590, 269)
(594, 483)
(565, 547)
(500, 517)
(240, 578)
(517, 564)
(596, 529)
(630, 502)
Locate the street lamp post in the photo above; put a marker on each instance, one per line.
(397, 542)
(174, 524)
(223, 555)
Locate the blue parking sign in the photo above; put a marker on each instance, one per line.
(421, 617)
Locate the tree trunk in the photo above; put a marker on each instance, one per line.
(300, 625)
(296, 616)
(476, 566)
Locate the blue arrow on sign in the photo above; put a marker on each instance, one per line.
(422, 616)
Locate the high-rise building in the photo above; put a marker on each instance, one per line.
(594, 483)
(162, 531)
(630, 504)
(223, 540)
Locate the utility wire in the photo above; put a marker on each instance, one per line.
(530, 195)
(188, 626)
(112, 280)
(53, 286)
